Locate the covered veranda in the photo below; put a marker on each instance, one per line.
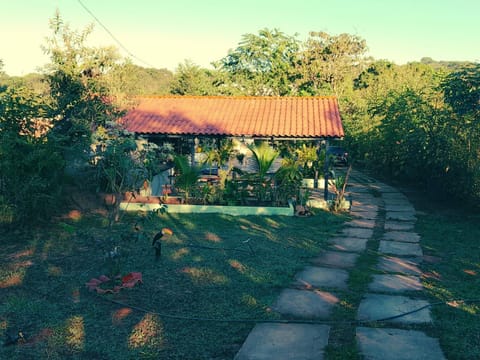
(188, 120)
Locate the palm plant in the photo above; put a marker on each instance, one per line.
(187, 177)
(289, 180)
(264, 157)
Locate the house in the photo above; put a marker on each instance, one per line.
(186, 120)
(279, 118)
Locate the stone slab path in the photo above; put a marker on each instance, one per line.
(285, 342)
(382, 216)
(400, 344)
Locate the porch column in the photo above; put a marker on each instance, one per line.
(192, 151)
(325, 170)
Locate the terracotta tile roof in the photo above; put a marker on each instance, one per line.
(281, 117)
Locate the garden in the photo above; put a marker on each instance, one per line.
(224, 172)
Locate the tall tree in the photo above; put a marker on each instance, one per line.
(462, 93)
(31, 168)
(191, 79)
(127, 78)
(330, 60)
(82, 102)
(263, 64)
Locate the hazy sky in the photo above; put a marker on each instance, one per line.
(164, 33)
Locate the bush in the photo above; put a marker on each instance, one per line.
(31, 167)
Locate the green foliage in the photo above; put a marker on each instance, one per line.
(81, 100)
(263, 64)
(288, 179)
(31, 169)
(261, 181)
(462, 91)
(118, 165)
(420, 125)
(264, 156)
(191, 79)
(328, 61)
(187, 176)
(129, 79)
(402, 138)
(310, 159)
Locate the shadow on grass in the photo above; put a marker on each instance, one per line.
(451, 273)
(214, 266)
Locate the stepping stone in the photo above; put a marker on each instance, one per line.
(399, 265)
(398, 225)
(357, 232)
(317, 277)
(364, 214)
(349, 244)
(363, 223)
(336, 259)
(285, 342)
(400, 248)
(402, 236)
(399, 208)
(400, 215)
(395, 283)
(366, 207)
(305, 304)
(359, 202)
(397, 344)
(378, 307)
(362, 197)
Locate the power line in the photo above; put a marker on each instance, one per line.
(113, 36)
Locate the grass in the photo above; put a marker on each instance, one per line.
(453, 273)
(207, 271)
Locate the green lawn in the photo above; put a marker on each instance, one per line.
(453, 273)
(207, 270)
(213, 267)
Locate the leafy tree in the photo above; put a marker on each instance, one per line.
(263, 64)
(191, 79)
(379, 81)
(3, 77)
(127, 78)
(81, 101)
(462, 91)
(329, 60)
(462, 94)
(401, 147)
(31, 168)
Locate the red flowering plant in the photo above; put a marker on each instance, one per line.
(105, 285)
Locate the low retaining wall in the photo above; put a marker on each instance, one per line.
(210, 209)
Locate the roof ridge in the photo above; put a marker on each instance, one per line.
(233, 97)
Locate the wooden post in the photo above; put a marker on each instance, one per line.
(192, 152)
(315, 179)
(325, 170)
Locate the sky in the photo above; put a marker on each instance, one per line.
(165, 33)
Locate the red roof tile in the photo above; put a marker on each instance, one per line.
(280, 117)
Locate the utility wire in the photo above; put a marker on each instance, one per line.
(113, 36)
(286, 321)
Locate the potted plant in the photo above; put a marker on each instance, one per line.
(187, 176)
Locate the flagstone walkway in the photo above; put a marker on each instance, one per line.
(394, 291)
